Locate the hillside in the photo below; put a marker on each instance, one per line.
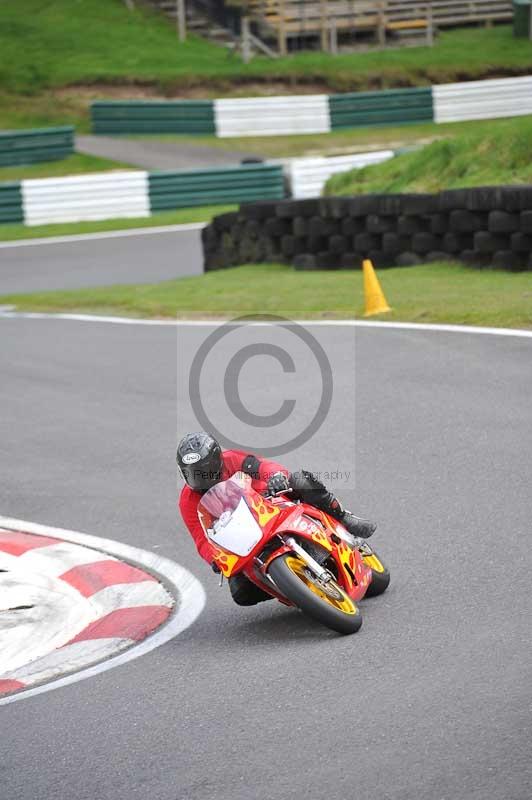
(488, 155)
(56, 55)
(63, 42)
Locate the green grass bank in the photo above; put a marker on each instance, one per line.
(487, 154)
(350, 140)
(443, 292)
(180, 216)
(76, 164)
(59, 55)
(84, 41)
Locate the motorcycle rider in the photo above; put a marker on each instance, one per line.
(203, 463)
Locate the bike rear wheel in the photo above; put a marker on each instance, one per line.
(324, 602)
(380, 574)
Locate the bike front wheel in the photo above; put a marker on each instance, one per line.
(325, 602)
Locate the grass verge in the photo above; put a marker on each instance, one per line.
(486, 155)
(102, 41)
(442, 292)
(347, 141)
(100, 49)
(43, 109)
(180, 216)
(75, 164)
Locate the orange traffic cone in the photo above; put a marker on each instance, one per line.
(373, 295)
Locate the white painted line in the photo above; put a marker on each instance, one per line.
(419, 326)
(85, 237)
(179, 581)
(325, 323)
(69, 658)
(86, 318)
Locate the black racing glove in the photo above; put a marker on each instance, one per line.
(215, 568)
(278, 482)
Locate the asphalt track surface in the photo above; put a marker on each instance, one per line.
(431, 699)
(75, 264)
(153, 154)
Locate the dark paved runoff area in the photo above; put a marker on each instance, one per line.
(153, 154)
(146, 257)
(430, 700)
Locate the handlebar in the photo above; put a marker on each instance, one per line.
(277, 494)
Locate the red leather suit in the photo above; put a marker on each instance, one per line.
(233, 461)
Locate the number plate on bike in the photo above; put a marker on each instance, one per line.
(240, 533)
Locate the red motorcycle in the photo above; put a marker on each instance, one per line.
(292, 551)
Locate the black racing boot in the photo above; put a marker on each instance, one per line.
(308, 488)
(245, 593)
(357, 526)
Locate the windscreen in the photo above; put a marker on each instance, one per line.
(225, 496)
(226, 517)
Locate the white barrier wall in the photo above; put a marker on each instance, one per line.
(507, 97)
(86, 197)
(272, 116)
(308, 176)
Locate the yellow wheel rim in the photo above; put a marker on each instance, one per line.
(329, 592)
(373, 562)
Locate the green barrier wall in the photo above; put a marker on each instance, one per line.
(27, 147)
(11, 203)
(522, 18)
(180, 116)
(395, 106)
(215, 186)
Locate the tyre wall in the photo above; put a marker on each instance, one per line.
(487, 226)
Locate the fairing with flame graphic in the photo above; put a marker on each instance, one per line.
(279, 519)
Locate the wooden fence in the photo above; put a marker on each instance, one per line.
(282, 20)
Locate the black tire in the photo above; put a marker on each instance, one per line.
(379, 583)
(295, 589)
(380, 578)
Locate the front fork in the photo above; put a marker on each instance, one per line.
(322, 574)
(290, 545)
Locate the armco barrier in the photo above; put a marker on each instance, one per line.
(392, 107)
(487, 226)
(276, 116)
(103, 195)
(11, 203)
(509, 97)
(109, 195)
(27, 147)
(172, 116)
(308, 176)
(272, 116)
(210, 187)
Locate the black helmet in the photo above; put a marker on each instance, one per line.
(199, 457)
